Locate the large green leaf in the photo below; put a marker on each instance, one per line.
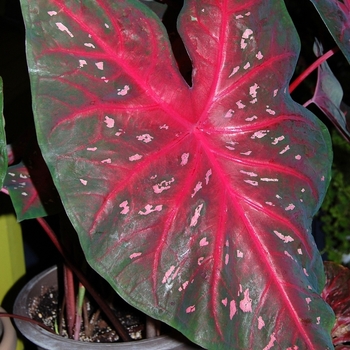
(195, 203)
(336, 16)
(3, 151)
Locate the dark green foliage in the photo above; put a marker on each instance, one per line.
(335, 211)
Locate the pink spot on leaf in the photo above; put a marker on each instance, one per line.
(196, 189)
(99, 65)
(146, 138)
(285, 149)
(63, 28)
(134, 255)
(259, 55)
(250, 182)
(278, 139)
(233, 309)
(240, 105)
(249, 173)
(123, 91)
(250, 119)
(163, 186)
(227, 258)
(184, 159)
(266, 179)
(82, 63)
(290, 207)
(150, 209)
(271, 342)
(109, 122)
(207, 176)
(229, 113)
(125, 207)
(247, 33)
(168, 274)
(135, 157)
(203, 242)
(234, 71)
(261, 323)
(286, 239)
(253, 90)
(195, 217)
(239, 254)
(92, 46)
(191, 309)
(246, 304)
(259, 134)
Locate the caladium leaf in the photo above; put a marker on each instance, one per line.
(328, 95)
(30, 185)
(336, 16)
(337, 294)
(195, 203)
(3, 151)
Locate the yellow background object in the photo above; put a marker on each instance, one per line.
(12, 264)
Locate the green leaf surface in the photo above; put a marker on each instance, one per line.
(336, 16)
(30, 184)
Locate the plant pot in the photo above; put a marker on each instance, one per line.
(8, 337)
(49, 341)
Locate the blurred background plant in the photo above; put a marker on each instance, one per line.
(335, 211)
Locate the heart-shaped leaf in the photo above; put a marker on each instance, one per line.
(336, 16)
(3, 151)
(195, 203)
(337, 294)
(328, 96)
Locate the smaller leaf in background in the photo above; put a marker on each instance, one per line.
(30, 186)
(328, 96)
(337, 294)
(336, 16)
(3, 151)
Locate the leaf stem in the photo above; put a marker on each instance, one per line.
(79, 308)
(27, 319)
(311, 68)
(123, 333)
(70, 299)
